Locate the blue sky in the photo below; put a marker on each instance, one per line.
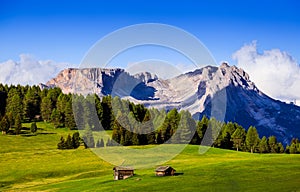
(64, 30)
(259, 34)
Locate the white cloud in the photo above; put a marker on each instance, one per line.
(29, 71)
(274, 72)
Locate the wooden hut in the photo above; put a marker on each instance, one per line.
(123, 172)
(165, 171)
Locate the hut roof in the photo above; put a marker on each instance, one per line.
(119, 168)
(163, 168)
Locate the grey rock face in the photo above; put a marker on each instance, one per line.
(197, 91)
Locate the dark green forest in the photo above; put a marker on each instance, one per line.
(131, 124)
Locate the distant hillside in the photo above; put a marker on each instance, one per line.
(225, 92)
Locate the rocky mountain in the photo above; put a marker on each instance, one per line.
(224, 92)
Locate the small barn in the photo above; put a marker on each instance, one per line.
(122, 172)
(164, 171)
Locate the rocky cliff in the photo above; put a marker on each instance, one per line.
(224, 92)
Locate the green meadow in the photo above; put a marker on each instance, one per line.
(32, 163)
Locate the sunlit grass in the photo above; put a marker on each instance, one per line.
(29, 163)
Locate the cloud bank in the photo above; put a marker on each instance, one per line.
(29, 71)
(274, 72)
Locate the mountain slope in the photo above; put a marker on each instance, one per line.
(224, 92)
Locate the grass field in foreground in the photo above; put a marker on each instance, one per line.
(33, 163)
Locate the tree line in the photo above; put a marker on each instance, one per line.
(131, 124)
(19, 104)
(134, 124)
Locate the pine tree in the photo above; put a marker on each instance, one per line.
(227, 131)
(157, 117)
(287, 149)
(293, 148)
(61, 102)
(46, 108)
(142, 139)
(226, 142)
(69, 116)
(272, 142)
(116, 133)
(151, 138)
(18, 124)
(263, 145)
(170, 125)
(55, 118)
(61, 144)
(14, 105)
(88, 137)
(4, 125)
(238, 138)
(135, 139)
(88, 111)
(31, 104)
(69, 143)
(98, 106)
(127, 138)
(76, 140)
(107, 115)
(53, 95)
(212, 133)
(149, 128)
(3, 97)
(280, 148)
(202, 126)
(33, 127)
(196, 139)
(186, 127)
(117, 105)
(77, 111)
(122, 140)
(252, 138)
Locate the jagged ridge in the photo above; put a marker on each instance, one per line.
(198, 91)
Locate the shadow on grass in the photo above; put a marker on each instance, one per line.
(177, 174)
(46, 133)
(28, 135)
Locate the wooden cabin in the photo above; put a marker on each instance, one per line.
(165, 171)
(122, 172)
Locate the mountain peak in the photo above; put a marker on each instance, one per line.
(224, 65)
(193, 91)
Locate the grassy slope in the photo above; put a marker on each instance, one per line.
(34, 163)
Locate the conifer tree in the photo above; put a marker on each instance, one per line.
(69, 116)
(46, 109)
(33, 127)
(76, 140)
(69, 143)
(272, 142)
(135, 139)
(88, 137)
(14, 105)
(252, 138)
(55, 118)
(31, 104)
(202, 127)
(18, 124)
(263, 145)
(238, 138)
(159, 137)
(186, 127)
(61, 144)
(280, 148)
(107, 115)
(4, 125)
